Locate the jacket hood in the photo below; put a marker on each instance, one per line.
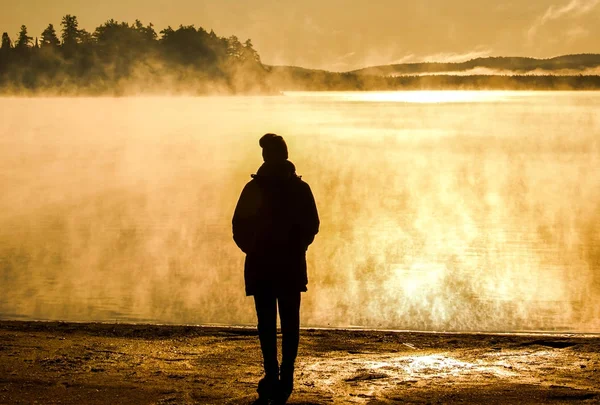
(277, 170)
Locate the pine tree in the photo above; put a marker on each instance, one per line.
(24, 40)
(250, 52)
(234, 47)
(70, 33)
(6, 42)
(49, 37)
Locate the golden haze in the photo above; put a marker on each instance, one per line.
(440, 210)
(335, 36)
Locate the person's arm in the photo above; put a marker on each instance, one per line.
(310, 223)
(244, 218)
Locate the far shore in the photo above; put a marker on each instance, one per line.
(278, 83)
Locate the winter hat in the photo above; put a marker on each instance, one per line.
(273, 148)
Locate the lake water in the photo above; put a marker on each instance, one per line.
(475, 211)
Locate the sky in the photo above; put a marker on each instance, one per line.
(343, 35)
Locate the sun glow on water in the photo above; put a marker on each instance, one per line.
(426, 96)
(417, 97)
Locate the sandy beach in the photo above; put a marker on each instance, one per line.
(76, 363)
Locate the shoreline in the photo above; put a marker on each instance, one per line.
(72, 363)
(24, 322)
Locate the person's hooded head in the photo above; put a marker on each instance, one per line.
(273, 147)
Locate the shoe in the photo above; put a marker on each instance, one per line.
(281, 398)
(267, 389)
(285, 388)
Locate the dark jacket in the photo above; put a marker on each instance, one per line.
(275, 221)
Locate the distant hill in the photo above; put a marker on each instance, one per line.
(496, 65)
(280, 78)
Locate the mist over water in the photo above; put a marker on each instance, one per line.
(440, 210)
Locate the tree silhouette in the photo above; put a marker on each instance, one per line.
(234, 47)
(123, 37)
(118, 56)
(24, 40)
(192, 47)
(6, 42)
(5, 51)
(250, 53)
(49, 37)
(121, 46)
(84, 37)
(148, 31)
(70, 34)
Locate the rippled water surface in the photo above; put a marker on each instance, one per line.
(439, 210)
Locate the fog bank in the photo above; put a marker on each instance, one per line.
(462, 215)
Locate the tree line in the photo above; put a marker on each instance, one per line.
(299, 79)
(121, 57)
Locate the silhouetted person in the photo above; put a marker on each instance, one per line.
(275, 221)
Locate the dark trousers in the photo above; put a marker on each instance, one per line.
(289, 315)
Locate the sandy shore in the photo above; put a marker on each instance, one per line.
(72, 363)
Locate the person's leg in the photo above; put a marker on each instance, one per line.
(289, 313)
(266, 312)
